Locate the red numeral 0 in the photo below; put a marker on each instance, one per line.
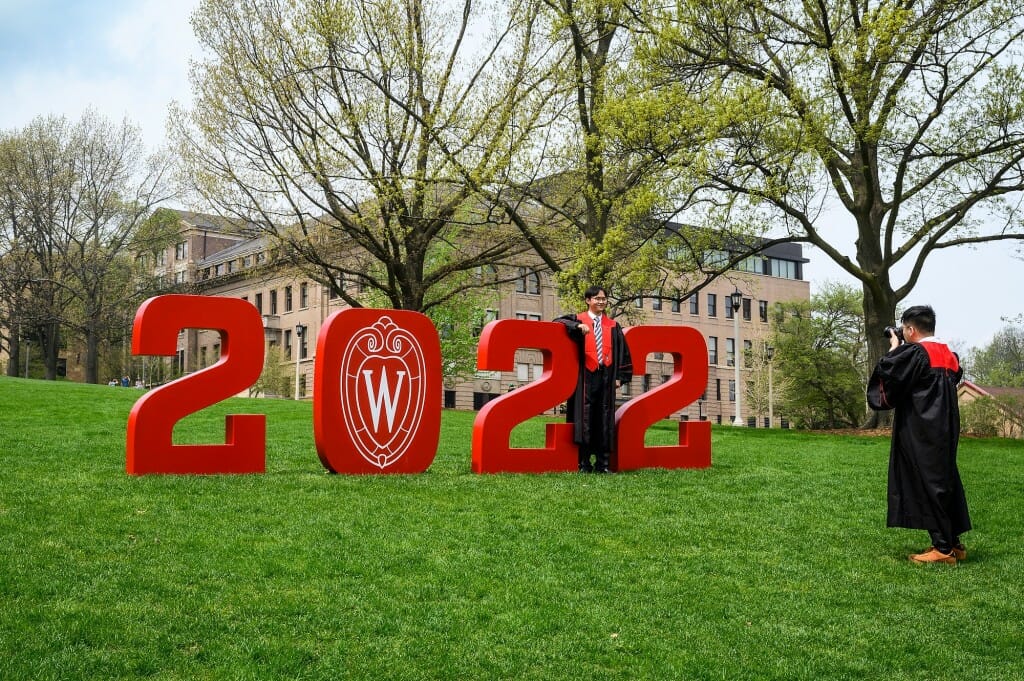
(493, 425)
(376, 394)
(151, 422)
(636, 416)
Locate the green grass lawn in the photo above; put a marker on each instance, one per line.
(773, 564)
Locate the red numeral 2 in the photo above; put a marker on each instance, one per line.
(151, 423)
(493, 425)
(688, 349)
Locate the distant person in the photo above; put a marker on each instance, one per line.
(604, 365)
(125, 381)
(918, 378)
(113, 382)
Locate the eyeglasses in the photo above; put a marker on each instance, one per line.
(599, 299)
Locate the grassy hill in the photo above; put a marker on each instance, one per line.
(772, 564)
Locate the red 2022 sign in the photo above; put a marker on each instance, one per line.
(377, 393)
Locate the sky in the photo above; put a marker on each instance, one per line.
(130, 59)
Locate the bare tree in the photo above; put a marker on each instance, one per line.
(73, 198)
(359, 135)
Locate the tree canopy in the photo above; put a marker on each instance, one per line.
(907, 116)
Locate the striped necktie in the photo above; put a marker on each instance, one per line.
(599, 340)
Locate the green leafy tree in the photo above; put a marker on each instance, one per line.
(614, 167)
(820, 353)
(1001, 362)
(276, 378)
(909, 117)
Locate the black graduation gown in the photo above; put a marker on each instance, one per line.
(621, 369)
(925, 491)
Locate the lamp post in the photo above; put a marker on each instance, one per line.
(736, 300)
(770, 353)
(300, 330)
(28, 352)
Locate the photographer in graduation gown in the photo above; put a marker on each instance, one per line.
(604, 365)
(918, 378)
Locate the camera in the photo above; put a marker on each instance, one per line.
(894, 330)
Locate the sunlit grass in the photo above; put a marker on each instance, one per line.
(773, 563)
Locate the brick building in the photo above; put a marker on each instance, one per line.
(217, 259)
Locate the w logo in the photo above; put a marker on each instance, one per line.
(382, 391)
(382, 397)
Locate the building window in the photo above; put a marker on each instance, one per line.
(639, 302)
(302, 385)
(728, 308)
(730, 352)
(231, 266)
(523, 372)
(718, 390)
(247, 261)
(261, 258)
(202, 357)
(713, 305)
(783, 268)
(746, 309)
(257, 300)
(288, 343)
(161, 258)
(732, 391)
(218, 269)
(303, 345)
(762, 310)
(181, 250)
(645, 383)
(533, 284)
(712, 349)
(273, 301)
(287, 298)
(488, 316)
(695, 304)
(303, 295)
(752, 264)
(675, 304)
(449, 399)
(656, 303)
(179, 277)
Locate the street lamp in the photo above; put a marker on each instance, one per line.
(300, 331)
(770, 353)
(736, 300)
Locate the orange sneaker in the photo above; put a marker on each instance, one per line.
(960, 552)
(933, 555)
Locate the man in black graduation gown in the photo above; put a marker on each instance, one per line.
(604, 365)
(918, 379)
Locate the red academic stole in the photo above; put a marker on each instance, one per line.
(590, 345)
(940, 356)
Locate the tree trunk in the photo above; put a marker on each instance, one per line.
(92, 354)
(14, 359)
(879, 312)
(50, 342)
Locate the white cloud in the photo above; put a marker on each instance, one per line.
(136, 67)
